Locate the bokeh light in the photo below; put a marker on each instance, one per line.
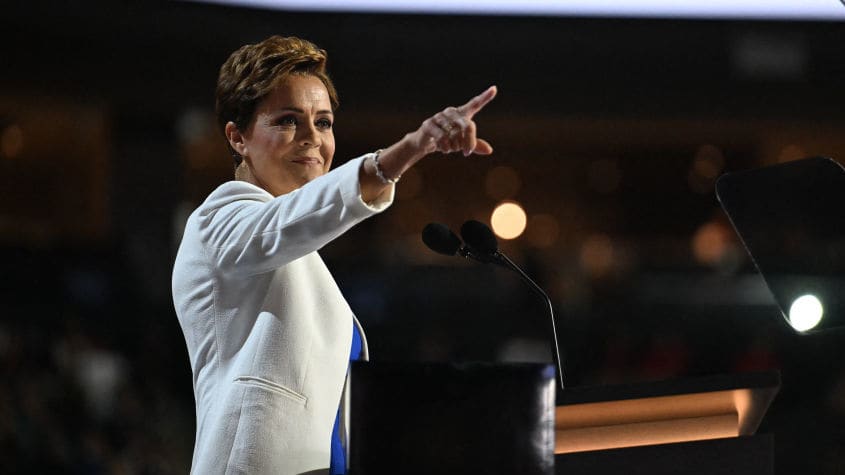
(597, 255)
(508, 220)
(805, 313)
(708, 162)
(707, 165)
(710, 243)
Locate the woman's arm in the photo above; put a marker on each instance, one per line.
(448, 131)
(245, 231)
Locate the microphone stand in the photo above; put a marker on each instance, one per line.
(505, 261)
(435, 236)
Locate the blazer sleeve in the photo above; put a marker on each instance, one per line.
(246, 231)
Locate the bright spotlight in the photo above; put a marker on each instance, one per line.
(805, 313)
(508, 220)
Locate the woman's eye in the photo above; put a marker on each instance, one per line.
(324, 123)
(287, 120)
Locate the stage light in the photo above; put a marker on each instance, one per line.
(819, 10)
(508, 220)
(805, 313)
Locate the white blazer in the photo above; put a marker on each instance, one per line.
(267, 329)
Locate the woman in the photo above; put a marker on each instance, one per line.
(268, 332)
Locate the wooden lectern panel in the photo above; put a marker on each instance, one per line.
(663, 412)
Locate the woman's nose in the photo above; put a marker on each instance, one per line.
(308, 136)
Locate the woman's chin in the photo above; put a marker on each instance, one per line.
(313, 172)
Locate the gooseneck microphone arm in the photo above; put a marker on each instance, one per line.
(505, 261)
(481, 240)
(481, 245)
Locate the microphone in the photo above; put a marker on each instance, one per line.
(481, 241)
(479, 237)
(440, 239)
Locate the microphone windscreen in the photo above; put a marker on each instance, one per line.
(439, 238)
(479, 237)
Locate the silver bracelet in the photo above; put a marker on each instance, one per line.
(380, 172)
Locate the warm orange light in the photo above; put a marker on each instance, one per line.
(710, 243)
(649, 421)
(597, 255)
(708, 162)
(707, 165)
(508, 220)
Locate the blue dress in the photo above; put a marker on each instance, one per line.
(337, 465)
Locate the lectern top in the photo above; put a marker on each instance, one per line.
(701, 384)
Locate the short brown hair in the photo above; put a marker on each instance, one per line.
(254, 70)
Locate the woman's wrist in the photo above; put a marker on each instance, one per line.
(399, 157)
(385, 179)
(418, 145)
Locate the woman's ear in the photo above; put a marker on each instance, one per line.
(235, 138)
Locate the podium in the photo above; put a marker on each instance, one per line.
(445, 418)
(502, 418)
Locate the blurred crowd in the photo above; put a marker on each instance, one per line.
(91, 381)
(94, 378)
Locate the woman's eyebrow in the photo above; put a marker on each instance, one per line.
(301, 111)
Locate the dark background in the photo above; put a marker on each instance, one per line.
(609, 132)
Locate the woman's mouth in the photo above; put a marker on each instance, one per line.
(308, 161)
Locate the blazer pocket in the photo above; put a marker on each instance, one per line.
(272, 387)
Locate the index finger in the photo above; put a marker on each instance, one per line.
(477, 103)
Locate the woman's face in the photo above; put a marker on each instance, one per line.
(291, 141)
